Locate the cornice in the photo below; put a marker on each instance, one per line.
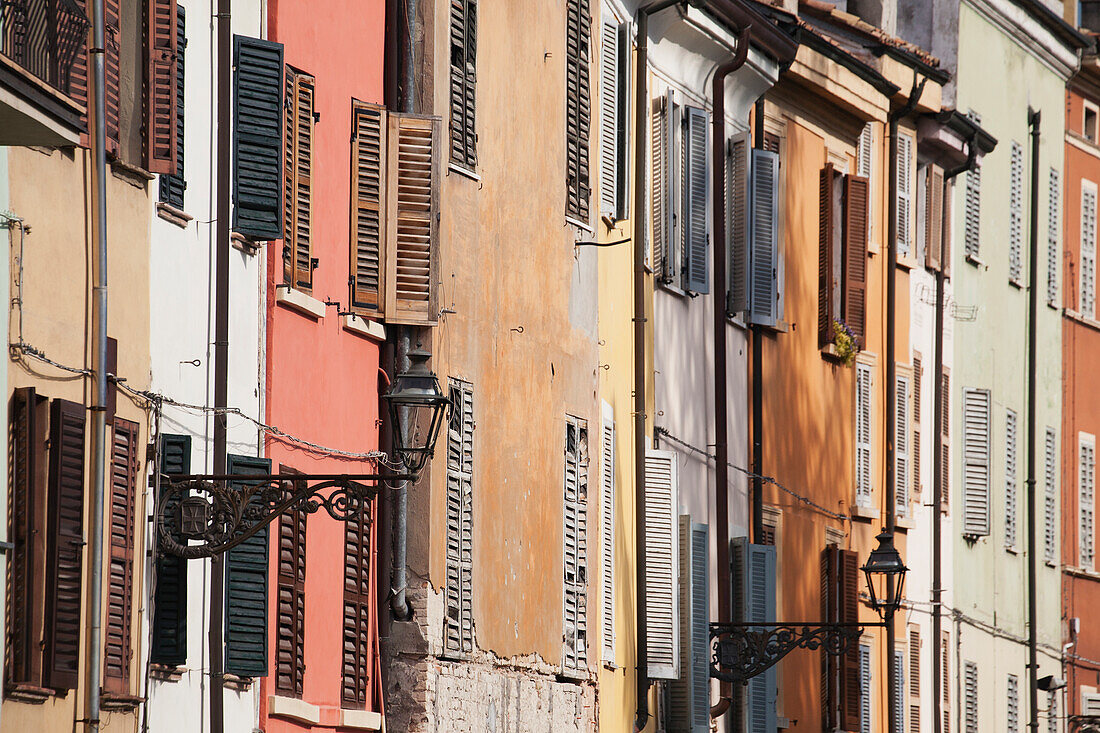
(1029, 34)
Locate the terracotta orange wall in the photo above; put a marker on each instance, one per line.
(322, 381)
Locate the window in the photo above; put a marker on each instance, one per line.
(914, 678)
(1086, 500)
(1088, 122)
(945, 681)
(945, 453)
(607, 536)
(577, 110)
(897, 709)
(865, 152)
(575, 532)
(298, 262)
(936, 254)
(752, 225)
(1010, 479)
(1050, 496)
(975, 462)
(1054, 234)
(694, 182)
(118, 645)
(291, 600)
(902, 445)
(360, 622)
(918, 377)
(864, 688)
(662, 180)
(662, 609)
(840, 675)
(753, 586)
(246, 588)
(163, 86)
(258, 95)
(368, 207)
(614, 114)
(1016, 214)
(842, 256)
(689, 696)
(463, 82)
(904, 195)
(973, 214)
(1087, 301)
(970, 697)
(458, 623)
(173, 185)
(1012, 700)
(170, 594)
(864, 421)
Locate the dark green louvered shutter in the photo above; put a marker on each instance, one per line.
(246, 590)
(257, 138)
(172, 186)
(170, 595)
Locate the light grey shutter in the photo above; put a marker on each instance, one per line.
(901, 446)
(905, 194)
(864, 688)
(738, 215)
(765, 286)
(970, 697)
(1012, 700)
(661, 615)
(897, 706)
(1010, 478)
(689, 696)
(575, 534)
(975, 462)
(973, 213)
(609, 114)
(607, 536)
(863, 434)
(1052, 712)
(1086, 501)
(1016, 213)
(865, 152)
(1054, 233)
(763, 689)
(696, 181)
(661, 187)
(1087, 304)
(1050, 496)
(458, 622)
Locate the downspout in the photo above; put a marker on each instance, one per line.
(891, 371)
(1033, 120)
(641, 115)
(757, 507)
(718, 300)
(938, 421)
(99, 349)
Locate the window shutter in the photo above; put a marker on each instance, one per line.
(368, 204)
(625, 155)
(693, 207)
(412, 220)
(975, 462)
(575, 540)
(972, 216)
(864, 688)
(170, 594)
(738, 215)
(970, 697)
(112, 98)
(78, 75)
(827, 226)
(1016, 213)
(463, 77)
(246, 589)
(360, 622)
(1086, 501)
(1010, 478)
(841, 680)
(765, 289)
(856, 202)
(1050, 495)
(1087, 304)
(578, 109)
(607, 536)
(117, 638)
(662, 161)
(865, 151)
(290, 618)
(1052, 712)
(935, 257)
(864, 450)
(257, 138)
(173, 185)
(945, 681)
(1013, 704)
(609, 114)
(458, 625)
(904, 195)
(760, 595)
(901, 446)
(897, 707)
(160, 87)
(297, 181)
(945, 455)
(918, 378)
(689, 696)
(66, 544)
(1054, 233)
(661, 618)
(914, 679)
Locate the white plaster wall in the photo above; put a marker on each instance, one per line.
(182, 352)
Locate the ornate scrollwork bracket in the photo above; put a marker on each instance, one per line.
(206, 515)
(739, 652)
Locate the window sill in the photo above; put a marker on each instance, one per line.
(1053, 305)
(363, 327)
(579, 224)
(1015, 283)
(291, 708)
(976, 261)
(864, 512)
(237, 683)
(28, 694)
(463, 171)
(166, 672)
(1082, 319)
(243, 243)
(299, 301)
(1082, 572)
(135, 176)
(671, 288)
(119, 703)
(172, 215)
(905, 523)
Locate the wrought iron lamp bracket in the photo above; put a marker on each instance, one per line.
(741, 651)
(201, 515)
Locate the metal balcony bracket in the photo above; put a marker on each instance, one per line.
(205, 515)
(739, 652)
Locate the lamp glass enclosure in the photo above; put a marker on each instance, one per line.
(885, 573)
(417, 407)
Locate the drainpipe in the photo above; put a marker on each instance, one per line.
(641, 115)
(938, 421)
(891, 371)
(757, 500)
(721, 437)
(1033, 120)
(99, 348)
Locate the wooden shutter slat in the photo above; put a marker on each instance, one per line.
(1010, 478)
(575, 532)
(578, 104)
(1050, 495)
(607, 536)
(112, 37)
(297, 181)
(359, 623)
(976, 463)
(257, 138)
(1016, 213)
(173, 185)
(368, 210)
(160, 90)
(856, 202)
(246, 589)
(290, 599)
(609, 115)
(170, 593)
(738, 214)
(123, 486)
(826, 225)
(458, 617)
(904, 195)
(463, 66)
(934, 218)
(693, 207)
(661, 187)
(764, 286)
(1054, 234)
(902, 445)
(661, 619)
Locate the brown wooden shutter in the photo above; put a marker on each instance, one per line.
(297, 183)
(78, 77)
(412, 219)
(829, 614)
(933, 217)
(825, 256)
(945, 680)
(29, 421)
(945, 452)
(112, 38)
(848, 591)
(161, 149)
(290, 620)
(368, 205)
(65, 544)
(577, 108)
(856, 200)
(463, 71)
(359, 623)
(123, 480)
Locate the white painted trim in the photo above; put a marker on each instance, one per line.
(294, 709)
(299, 301)
(360, 719)
(363, 327)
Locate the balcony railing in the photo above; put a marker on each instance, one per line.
(44, 37)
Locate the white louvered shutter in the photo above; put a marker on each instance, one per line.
(863, 434)
(1016, 213)
(695, 180)
(575, 533)
(1010, 478)
(1052, 712)
(973, 211)
(765, 289)
(1050, 492)
(662, 177)
(1087, 304)
(864, 688)
(914, 679)
(607, 536)
(738, 217)
(865, 157)
(1086, 501)
(905, 195)
(897, 706)
(976, 468)
(458, 623)
(902, 446)
(1054, 233)
(609, 114)
(661, 561)
(689, 696)
(970, 697)
(1012, 704)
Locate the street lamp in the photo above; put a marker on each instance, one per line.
(416, 407)
(885, 575)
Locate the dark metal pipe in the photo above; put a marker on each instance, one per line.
(1033, 120)
(758, 384)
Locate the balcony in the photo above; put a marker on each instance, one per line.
(43, 73)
